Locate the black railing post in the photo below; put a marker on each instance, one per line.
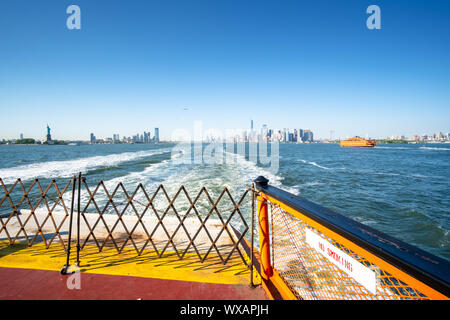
(78, 220)
(261, 182)
(66, 266)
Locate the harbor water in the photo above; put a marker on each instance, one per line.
(402, 190)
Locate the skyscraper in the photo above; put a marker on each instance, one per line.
(156, 136)
(264, 132)
(308, 135)
(251, 125)
(290, 136)
(300, 135)
(92, 138)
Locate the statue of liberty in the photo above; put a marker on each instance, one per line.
(49, 136)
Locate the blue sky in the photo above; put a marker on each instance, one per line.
(136, 65)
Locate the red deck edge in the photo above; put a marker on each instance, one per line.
(31, 284)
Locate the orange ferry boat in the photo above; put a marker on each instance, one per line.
(358, 142)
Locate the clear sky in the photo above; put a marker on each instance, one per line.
(136, 65)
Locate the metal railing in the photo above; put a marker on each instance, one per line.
(312, 253)
(109, 216)
(305, 251)
(17, 197)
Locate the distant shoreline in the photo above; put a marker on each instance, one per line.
(77, 144)
(174, 142)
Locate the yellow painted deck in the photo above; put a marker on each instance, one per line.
(109, 262)
(34, 273)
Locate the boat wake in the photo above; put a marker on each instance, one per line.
(435, 148)
(395, 148)
(69, 168)
(314, 164)
(236, 175)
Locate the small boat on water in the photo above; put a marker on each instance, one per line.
(358, 142)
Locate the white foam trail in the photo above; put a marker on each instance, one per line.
(152, 171)
(312, 184)
(240, 172)
(314, 164)
(397, 148)
(68, 168)
(435, 148)
(237, 175)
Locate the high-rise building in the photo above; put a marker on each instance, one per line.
(264, 133)
(285, 135)
(300, 135)
(21, 136)
(156, 136)
(251, 125)
(308, 136)
(264, 128)
(93, 139)
(279, 136)
(290, 137)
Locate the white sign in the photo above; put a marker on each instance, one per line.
(343, 261)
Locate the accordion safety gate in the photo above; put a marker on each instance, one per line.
(76, 215)
(306, 252)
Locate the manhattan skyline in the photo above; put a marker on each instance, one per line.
(301, 64)
(251, 134)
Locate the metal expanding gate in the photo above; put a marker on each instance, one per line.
(305, 251)
(109, 215)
